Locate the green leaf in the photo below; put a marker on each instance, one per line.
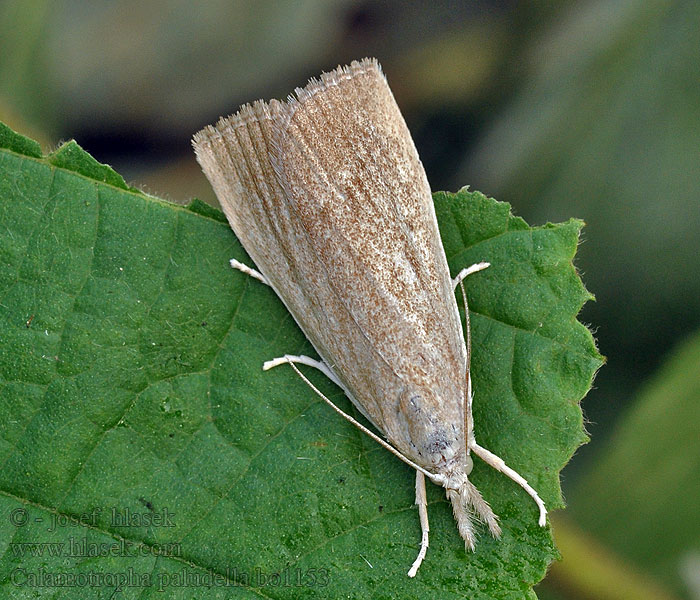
(130, 379)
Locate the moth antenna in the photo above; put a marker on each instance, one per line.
(434, 477)
(468, 339)
(459, 280)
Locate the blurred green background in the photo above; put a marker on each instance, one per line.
(588, 109)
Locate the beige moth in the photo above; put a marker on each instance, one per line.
(327, 195)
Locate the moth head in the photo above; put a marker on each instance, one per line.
(429, 436)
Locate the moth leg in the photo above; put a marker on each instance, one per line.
(422, 503)
(497, 463)
(248, 271)
(303, 360)
(468, 271)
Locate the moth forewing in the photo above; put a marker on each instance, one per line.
(378, 241)
(329, 198)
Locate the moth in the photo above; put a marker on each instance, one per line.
(327, 195)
